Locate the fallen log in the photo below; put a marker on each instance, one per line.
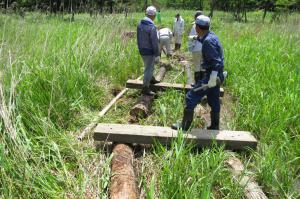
(142, 107)
(124, 133)
(187, 69)
(122, 181)
(164, 67)
(161, 74)
(252, 189)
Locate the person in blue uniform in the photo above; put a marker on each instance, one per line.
(213, 63)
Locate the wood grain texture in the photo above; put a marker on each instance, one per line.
(123, 180)
(252, 189)
(125, 133)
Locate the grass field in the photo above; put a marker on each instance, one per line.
(56, 75)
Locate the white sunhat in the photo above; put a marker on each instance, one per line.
(203, 21)
(151, 10)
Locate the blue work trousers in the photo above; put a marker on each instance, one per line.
(213, 94)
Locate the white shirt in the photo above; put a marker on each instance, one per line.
(179, 26)
(194, 45)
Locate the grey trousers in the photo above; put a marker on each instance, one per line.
(149, 68)
(165, 42)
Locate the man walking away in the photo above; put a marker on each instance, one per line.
(165, 37)
(148, 47)
(178, 29)
(195, 47)
(213, 63)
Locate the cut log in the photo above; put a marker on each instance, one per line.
(122, 181)
(188, 71)
(252, 189)
(124, 133)
(138, 84)
(142, 107)
(161, 74)
(164, 67)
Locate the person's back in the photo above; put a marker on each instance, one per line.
(165, 37)
(165, 32)
(147, 37)
(147, 41)
(212, 52)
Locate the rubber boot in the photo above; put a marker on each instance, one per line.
(179, 46)
(197, 76)
(186, 120)
(215, 120)
(153, 80)
(202, 74)
(147, 91)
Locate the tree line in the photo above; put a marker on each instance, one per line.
(238, 8)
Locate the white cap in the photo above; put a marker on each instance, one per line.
(203, 20)
(151, 10)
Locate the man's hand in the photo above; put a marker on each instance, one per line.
(156, 61)
(213, 79)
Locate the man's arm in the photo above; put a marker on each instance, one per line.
(154, 41)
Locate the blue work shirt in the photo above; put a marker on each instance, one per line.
(212, 52)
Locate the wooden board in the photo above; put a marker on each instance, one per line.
(252, 189)
(138, 84)
(125, 133)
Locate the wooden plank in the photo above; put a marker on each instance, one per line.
(252, 189)
(138, 84)
(123, 180)
(124, 133)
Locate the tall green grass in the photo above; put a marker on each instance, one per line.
(263, 63)
(57, 74)
(263, 60)
(54, 72)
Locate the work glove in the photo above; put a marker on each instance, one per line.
(213, 79)
(156, 61)
(193, 37)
